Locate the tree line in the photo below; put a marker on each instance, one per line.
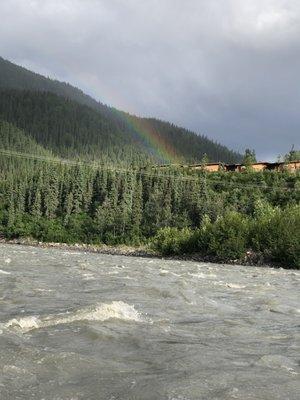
(71, 204)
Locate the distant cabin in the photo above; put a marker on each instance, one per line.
(210, 167)
(258, 166)
(291, 166)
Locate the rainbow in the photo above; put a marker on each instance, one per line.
(144, 132)
(151, 139)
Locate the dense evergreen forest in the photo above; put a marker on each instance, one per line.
(12, 138)
(73, 170)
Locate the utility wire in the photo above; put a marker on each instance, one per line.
(94, 165)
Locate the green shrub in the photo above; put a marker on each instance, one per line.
(79, 228)
(20, 228)
(261, 225)
(228, 237)
(277, 235)
(225, 239)
(169, 241)
(49, 231)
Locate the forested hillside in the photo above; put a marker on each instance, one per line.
(12, 138)
(13, 76)
(72, 124)
(68, 128)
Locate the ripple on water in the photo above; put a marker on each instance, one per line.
(278, 361)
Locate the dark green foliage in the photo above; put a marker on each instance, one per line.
(227, 238)
(67, 128)
(276, 234)
(170, 241)
(49, 230)
(12, 138)
(274, 238)
(13, 76)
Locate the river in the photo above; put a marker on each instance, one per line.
(75, 325)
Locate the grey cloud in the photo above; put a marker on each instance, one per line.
(226, 69)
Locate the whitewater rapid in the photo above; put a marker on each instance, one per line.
(78, 326)
(101, 312)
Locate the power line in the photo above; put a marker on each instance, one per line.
(94, 165)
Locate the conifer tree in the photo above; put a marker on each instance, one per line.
(68, 207)
(137, 211)
(36, 209)
(11, 214)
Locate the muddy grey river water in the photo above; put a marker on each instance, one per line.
(89, 326)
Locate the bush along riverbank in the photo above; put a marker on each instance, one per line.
(272, 236)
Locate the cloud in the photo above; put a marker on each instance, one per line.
(226, 69)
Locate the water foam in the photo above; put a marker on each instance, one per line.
(201, 275)
(4, 272)
(25, 323)
(235, 286)
(102, 312)
(230, 285)
(88, 277)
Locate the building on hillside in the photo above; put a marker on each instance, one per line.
(260, 166)
(291, 166)
(234, 167)
(277, 166)
(210, 167)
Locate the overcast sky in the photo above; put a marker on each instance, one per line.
(229, 69)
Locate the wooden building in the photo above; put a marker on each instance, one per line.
(210, 167)
(263, 166)
(292, 166)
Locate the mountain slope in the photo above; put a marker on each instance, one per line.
(71, 123)
(13, 76)
(12, 138)
(68, 128)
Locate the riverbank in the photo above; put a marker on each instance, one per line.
(250, 258)
(123, 250)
